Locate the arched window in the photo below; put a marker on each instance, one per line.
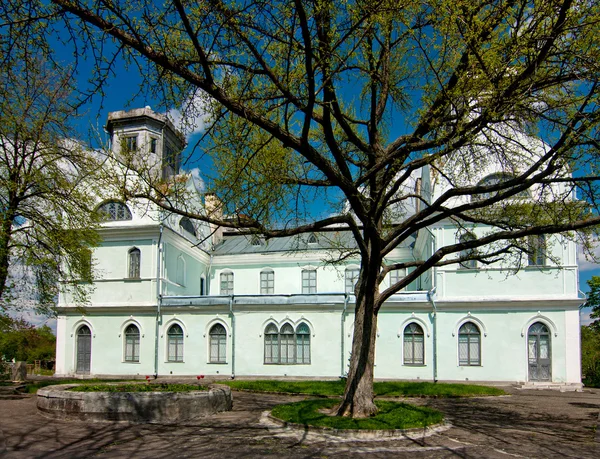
(132, 344)
(218, 344)
(495, 179)
(226, 283)
(175, 343)
(180, 275)
(114, 211)
(271, 344)
(312, 238)
(309, 281)
(187, 225)
(267, 282)
(134, 263)
(469, 345)
(536, 255)
(302, 344)
(414, 345)
(286, 346)
(468, 252)
(350, 278)
(256, 241)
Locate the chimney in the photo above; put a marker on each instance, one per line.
(214, 209)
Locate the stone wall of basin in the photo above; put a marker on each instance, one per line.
(159, 407)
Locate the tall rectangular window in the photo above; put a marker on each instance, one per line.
(397, 275)
(537, 250)
(227, 283)
(309, 281)
(267, 282)
(351, 277)
(153, 143)
(131, 143)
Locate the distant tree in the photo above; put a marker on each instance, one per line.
(20, 340)
(590, 356)
(345, 102)
(47, 223)
(593, 301)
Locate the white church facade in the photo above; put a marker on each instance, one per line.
(168, 300)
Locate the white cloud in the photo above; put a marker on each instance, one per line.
(584, 316)
(198, 181)
(193, 115)
(587, 263)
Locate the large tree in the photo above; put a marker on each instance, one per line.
(47, 223)
(346, 100)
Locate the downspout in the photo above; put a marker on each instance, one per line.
(158, 299)
(343, 367)
(232, 337)
(430, 295)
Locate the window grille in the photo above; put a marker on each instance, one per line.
(218, 344)
(134, 263)
(536, 250)
(309, 281)
(414, 345)
(175, 343)
(114, 211)
(286, 346)
(469, 345)
(226, 283)
(132, 344)
(267, 282)
(351, 278)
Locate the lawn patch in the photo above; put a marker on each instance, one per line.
(381, 389)
(163, 387)
(391, 415)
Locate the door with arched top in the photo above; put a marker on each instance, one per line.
(84, 350)
(539, 352)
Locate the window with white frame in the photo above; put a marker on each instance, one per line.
(536, 255)
(271, 344)
(226, 283)
(467, 252)
(397, 275)
(414, 344)
(114, 211)
(287, 346)
(350, 279)
(218, 343)
(469, 345)
(180, 273)
(175, 343)
(267, 282)
(309, 281)
(132, 344)
(134, 263)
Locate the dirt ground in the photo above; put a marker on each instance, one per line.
(530, 424)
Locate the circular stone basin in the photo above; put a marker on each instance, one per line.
(161, 407)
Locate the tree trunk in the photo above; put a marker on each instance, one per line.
(358, 395)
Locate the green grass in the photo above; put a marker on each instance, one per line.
(382, 389)
(391, 415)
(163, 387)
(32, 387)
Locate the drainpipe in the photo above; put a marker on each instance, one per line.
(158, 299)
(346, 299)
(430, 295)
(232, 337)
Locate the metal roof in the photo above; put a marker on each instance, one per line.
(325, 240)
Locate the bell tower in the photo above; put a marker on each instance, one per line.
(147, 140)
